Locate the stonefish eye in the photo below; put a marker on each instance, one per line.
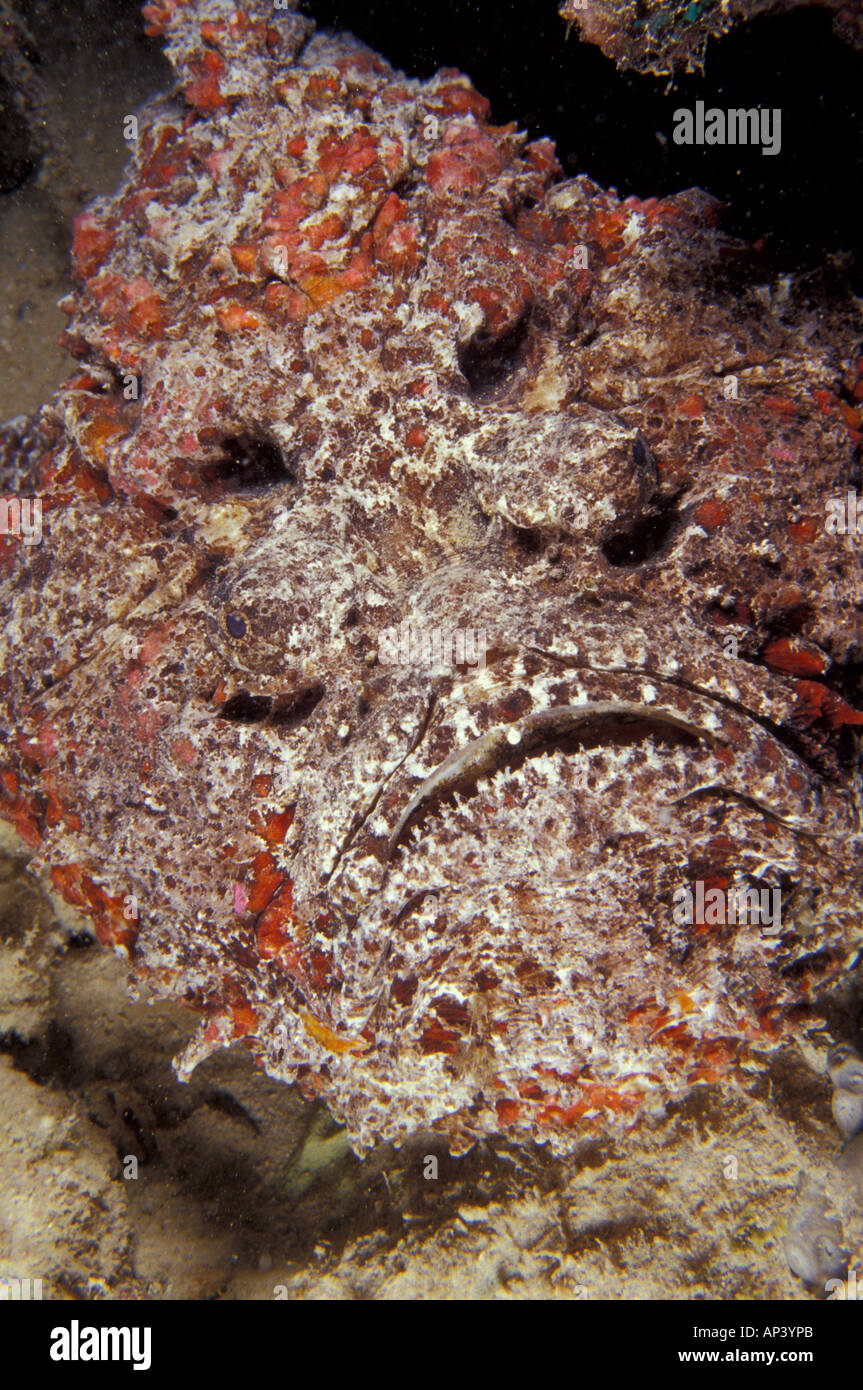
(235, 625)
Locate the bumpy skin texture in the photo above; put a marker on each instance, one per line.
(378, 385)
(667, 36)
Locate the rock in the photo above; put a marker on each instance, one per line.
(666, 36)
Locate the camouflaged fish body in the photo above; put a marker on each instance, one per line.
(343, 376)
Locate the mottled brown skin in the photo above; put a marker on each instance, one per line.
(378, 384)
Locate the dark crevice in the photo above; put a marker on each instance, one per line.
(249, 463)
(18, 157)
(487, 361)
(80, 940)
(158, 512)
(643, 540)
(845, 679)
(817, 963)
(244, 708)
(281, 711)
(135, 1127)
(789, 621)
(405, 185)
(226, 1104)
(46, 1059)
(528, 539)
(297, 707)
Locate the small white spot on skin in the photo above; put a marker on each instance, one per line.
(513, 736)
(633, 228)
(648, 694)
(343, 731)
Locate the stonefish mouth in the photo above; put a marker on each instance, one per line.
(349, 357)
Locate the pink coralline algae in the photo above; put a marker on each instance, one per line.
(351, 357)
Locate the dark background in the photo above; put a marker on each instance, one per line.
(605, 123)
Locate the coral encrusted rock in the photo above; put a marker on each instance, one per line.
(441, 579)
(667, 36)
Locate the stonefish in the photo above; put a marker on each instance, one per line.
(443, 567)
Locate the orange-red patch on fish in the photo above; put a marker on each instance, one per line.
(328, 1037)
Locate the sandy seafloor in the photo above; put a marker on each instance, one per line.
(243, 1190)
